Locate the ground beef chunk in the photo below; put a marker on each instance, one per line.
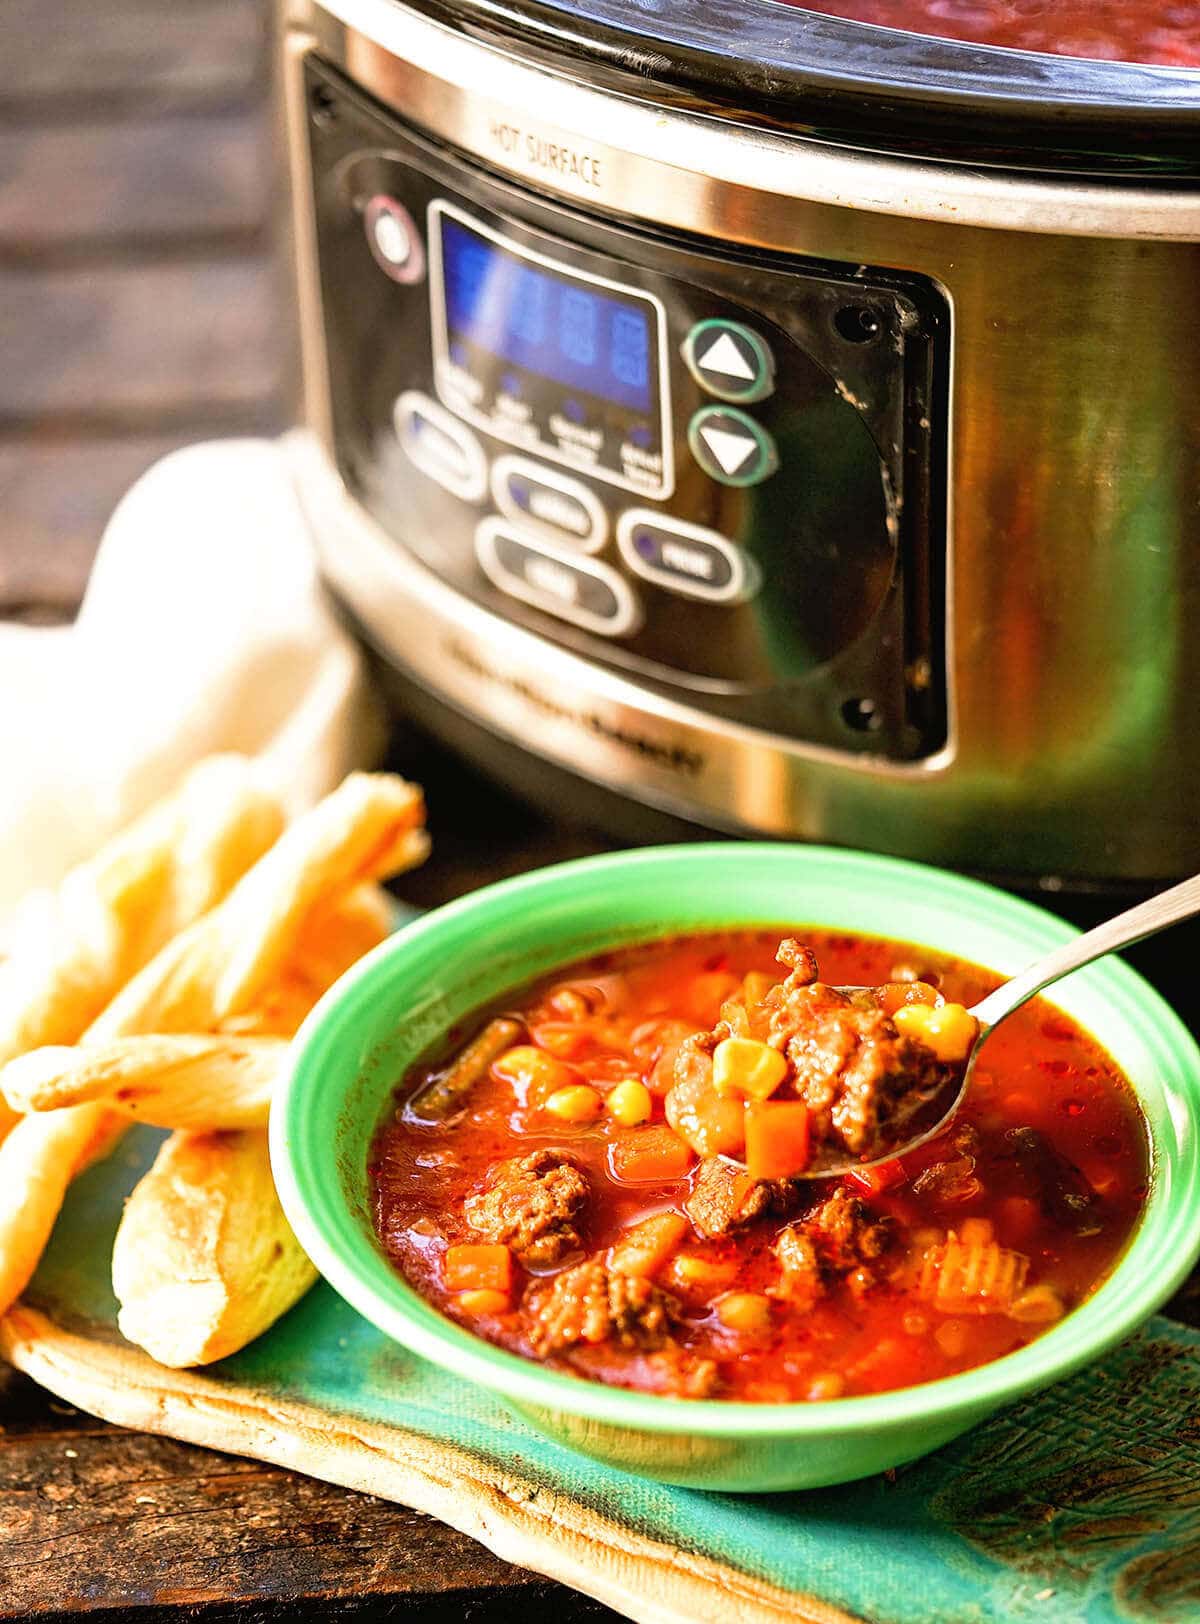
(846, 1233)
(802, 1281)
(533, 1204)
(862, 1081)
(860, 1078)
(592, 1304)
(839, 1240)
(725, 1198)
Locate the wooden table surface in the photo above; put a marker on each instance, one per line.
(141, 308)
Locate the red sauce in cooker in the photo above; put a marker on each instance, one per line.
(582, 1240)
(1162, 31)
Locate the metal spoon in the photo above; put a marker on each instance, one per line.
(1170, 907)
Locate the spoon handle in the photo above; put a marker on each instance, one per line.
(1168, 908)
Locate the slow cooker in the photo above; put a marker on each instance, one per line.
(781, 422)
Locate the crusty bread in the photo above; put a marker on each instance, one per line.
(170, 1081)
(204, 1260)
(111, 915)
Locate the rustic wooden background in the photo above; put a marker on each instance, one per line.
(143, 306)
(139, 295)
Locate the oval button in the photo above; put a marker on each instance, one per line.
(685, 558)
(440, 446)
(558, 582)
(563, 508)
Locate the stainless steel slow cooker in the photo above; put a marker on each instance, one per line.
(785, 423)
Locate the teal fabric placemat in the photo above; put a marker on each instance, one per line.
(1078, 1506)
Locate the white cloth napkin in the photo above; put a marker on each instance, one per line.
(204, 628)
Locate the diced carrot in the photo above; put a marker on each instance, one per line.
(478, 1268)
(648, 1156)
(883, 1176)
(776, 1139)
(644, 1248)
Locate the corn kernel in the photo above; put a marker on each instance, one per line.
(576, 1104)
(828, 1385)
(631, 1103)
(744, 1311)
(483, 1302)
(746, 1066)
(949, 1029)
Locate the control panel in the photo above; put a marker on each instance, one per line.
(720, 473)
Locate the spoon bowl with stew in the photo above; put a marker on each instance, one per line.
(930, 1110)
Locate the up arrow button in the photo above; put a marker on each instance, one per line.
(729, 360)
(731, 447)
(724, 357)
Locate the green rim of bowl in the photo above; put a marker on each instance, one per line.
(884, 891)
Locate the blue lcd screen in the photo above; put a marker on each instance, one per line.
(549, 324)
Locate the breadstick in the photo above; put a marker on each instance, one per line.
(332, 939)
(369, 828)
(204, 1083)
(38, 1160)
(109, 917)
(112, 914)
(204, 1260)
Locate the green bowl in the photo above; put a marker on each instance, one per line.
(401, 998)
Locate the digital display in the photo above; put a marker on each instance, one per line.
(546, 322)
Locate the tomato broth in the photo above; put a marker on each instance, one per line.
(528, 1184)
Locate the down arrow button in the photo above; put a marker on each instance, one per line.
(731, 447)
